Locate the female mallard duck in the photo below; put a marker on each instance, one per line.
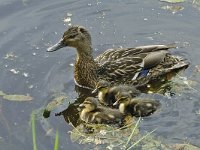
(93, 113)
(106, 93)
(135, 66)
(135, 107)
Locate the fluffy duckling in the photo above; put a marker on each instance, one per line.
(135, 107)
(93, 113)
(106, 93)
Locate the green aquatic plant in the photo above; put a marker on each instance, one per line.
(109, 137)
(56, 143)
(141, 139)
(33, 131)
(130, 137)
(33, 118)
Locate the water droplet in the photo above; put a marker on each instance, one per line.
(14, 71)
(31, 86)
(71, 64)
(69, 14)
(68, 19)
(25, 74)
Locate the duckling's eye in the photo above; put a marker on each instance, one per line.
(123, 98)
(87, 102)
(100, 88)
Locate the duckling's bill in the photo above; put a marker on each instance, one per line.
(116, 103)
(95, 91)
(82, 106)
(57, 46)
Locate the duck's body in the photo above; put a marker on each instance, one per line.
(136, 107)
(93, 113)
(135, 66)
(107, 93)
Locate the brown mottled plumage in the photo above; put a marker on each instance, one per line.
(93, 113)
(136, 107)
(122, 65)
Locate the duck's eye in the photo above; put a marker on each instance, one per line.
(72, 36)
(81, 30)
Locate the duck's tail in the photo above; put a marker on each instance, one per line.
(182, 63)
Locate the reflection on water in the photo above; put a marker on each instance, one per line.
(28, 27)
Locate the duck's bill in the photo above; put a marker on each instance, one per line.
(56, 47)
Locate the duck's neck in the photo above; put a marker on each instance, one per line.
(85, 68)
(103, 96)
(122, 108)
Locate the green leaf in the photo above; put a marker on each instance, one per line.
(33, 131)
(56, 141)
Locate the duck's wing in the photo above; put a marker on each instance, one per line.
(114, 54)
(126, 68)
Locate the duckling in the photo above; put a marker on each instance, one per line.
(107, 93)
(93, 113)
(135, 107)
(137, 66)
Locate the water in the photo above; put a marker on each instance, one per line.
(28, 28)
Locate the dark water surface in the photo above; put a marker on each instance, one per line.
(28, 27)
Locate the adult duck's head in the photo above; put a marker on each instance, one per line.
(77, 37)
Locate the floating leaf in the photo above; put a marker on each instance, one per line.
(172, 1)
(17, 97)
(2, 93)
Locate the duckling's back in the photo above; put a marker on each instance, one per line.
(125, 88)
(143, 107)
(102, 115)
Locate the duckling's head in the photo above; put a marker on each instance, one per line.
(89, 104)
(76, 36)
(122, 97)
(102, 86)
